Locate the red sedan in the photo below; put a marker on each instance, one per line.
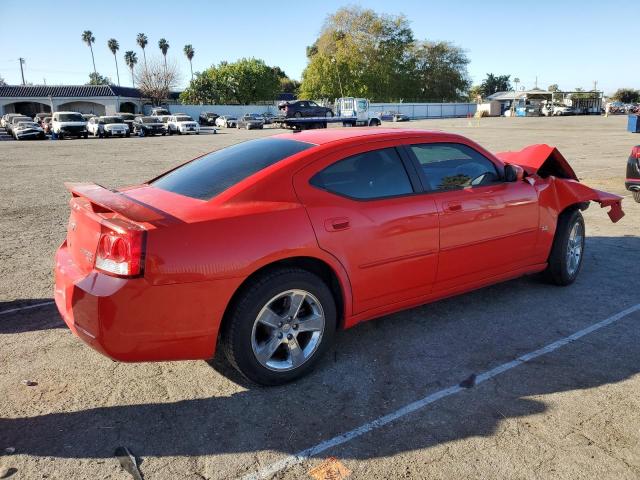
(267, 247)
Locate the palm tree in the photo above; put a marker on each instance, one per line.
(89, 39)
(164, 47)
(141, 39)
(130, 58)
(189, 52)
(114, 47)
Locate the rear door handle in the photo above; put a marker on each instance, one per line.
(336, 224)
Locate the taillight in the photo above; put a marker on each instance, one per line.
(120, 248)
(635, 152)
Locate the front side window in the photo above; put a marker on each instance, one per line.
(369, 175)
(207, 176)
(450, 166)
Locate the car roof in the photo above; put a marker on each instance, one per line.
(328, 135)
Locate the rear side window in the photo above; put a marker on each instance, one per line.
(450, 166)
(207, 176)
(369, 175)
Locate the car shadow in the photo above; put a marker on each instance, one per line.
(380, 366)
(42, 315)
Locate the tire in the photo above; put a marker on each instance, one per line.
(636, 196)
(297, 114)
(248, 127)
(128, 134)
(60, 136)
(243, 334)
(329, 114)
(85, 135)
(563, 266)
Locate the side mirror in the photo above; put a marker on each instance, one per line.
(513, 173)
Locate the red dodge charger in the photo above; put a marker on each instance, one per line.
(267, 247)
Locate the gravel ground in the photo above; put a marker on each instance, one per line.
(573, 413)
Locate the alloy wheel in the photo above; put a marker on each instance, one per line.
(288, 330)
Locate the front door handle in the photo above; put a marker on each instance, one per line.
(454, 206)
(336, 224)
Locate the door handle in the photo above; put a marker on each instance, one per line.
(336, 224)
(454, 206)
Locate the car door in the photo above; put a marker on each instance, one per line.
(365, 210)
(488, 226)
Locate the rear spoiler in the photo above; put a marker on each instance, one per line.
(115, 201)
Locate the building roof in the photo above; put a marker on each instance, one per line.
(27, 91)
(511, 95)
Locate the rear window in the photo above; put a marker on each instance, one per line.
(207, 176)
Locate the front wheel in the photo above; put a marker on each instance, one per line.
(280, 326)
(636, 195)
(567, 251)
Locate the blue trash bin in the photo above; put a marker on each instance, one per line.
(633, 124)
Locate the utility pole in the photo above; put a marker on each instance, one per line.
(21, 69)
(595, 85)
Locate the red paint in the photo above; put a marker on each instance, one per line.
(387, 254)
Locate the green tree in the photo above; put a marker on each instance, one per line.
(440, 72)
(475, 93)
(495, 83)
(97, 79)
(189, 53)
(89, 39)
(114, 47)
(359, 53)
(163, 45)
(142, 41)
(626, 95)
(245, 81)
(2, 82)
(553, 88)
(131, 59)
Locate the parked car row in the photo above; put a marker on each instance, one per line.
(78, 125)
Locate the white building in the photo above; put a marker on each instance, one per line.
(96, 99)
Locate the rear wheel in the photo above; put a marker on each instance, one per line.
(280, 326)
(329, 114)
(636, 196)
(567, 251)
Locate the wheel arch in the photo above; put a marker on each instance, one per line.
(336, 281)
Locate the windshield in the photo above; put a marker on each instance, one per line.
(17, 120)
(27, 124)
(109, 120)
(184, 119)
(70, 117)
(207, 176)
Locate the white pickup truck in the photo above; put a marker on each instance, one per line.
(69, 124)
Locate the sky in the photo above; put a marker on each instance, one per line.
(568, 42)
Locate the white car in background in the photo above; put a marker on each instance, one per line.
(182, 124)
(226, 121)
(108, 126)
(28, 130)
(69, 124)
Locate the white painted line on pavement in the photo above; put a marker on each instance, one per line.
(28, 307)
(303, 455)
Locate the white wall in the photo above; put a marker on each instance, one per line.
(414, 110)
(427, 110)
(234, 110)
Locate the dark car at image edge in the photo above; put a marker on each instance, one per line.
(632, 182)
